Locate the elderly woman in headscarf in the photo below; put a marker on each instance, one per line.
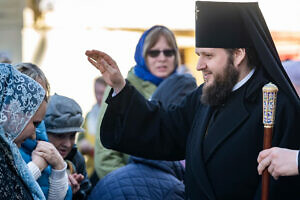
(22, 108)
(52, 179)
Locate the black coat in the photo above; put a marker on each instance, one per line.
(220, 164)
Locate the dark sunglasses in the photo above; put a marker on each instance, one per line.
(166, 52)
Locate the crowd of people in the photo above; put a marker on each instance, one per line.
(155, 134)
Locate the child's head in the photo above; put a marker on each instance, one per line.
(63, 120)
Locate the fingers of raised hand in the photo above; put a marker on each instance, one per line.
(97, 64)
(109, 60)
(101, 60)
(93, 54)
(97, 55)
(107, 66)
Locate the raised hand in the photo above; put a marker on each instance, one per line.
(108, 68)
(50, 154)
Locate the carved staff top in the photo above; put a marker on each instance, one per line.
(269, 104)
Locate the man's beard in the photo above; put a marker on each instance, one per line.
(217, 93)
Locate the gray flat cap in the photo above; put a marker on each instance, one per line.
(63, 115)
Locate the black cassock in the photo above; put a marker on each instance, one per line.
(221, 159)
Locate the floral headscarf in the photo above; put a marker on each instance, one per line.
(20, 98)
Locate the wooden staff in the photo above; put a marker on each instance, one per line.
(269, 107)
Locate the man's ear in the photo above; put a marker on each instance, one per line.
(239, 56)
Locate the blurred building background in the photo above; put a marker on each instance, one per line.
(54, 34)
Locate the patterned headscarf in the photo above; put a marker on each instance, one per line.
(20, 98)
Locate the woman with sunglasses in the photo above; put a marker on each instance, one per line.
(157, 57)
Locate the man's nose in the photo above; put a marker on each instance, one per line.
(201, 65)
(67, 143)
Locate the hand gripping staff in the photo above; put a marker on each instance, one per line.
(269, 107)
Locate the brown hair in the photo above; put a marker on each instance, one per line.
(251, 56)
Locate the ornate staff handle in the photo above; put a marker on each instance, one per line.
(269, 107)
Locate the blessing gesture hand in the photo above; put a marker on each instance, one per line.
(108, 68)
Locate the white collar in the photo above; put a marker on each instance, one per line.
(244, 80)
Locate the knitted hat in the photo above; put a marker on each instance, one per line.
(63, 115)
(242, 25)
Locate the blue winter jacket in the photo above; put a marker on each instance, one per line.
(142, 179)
(26, 149)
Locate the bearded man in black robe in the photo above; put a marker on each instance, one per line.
(217, 128)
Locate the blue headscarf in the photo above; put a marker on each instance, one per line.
(20, 98)
(141, 69)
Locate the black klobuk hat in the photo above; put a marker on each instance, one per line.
(241, 25)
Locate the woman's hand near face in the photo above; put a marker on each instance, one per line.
(108, 68)
(50, 154)
(39, 161)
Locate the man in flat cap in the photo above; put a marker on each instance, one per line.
(217, 128)
(63, 121)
